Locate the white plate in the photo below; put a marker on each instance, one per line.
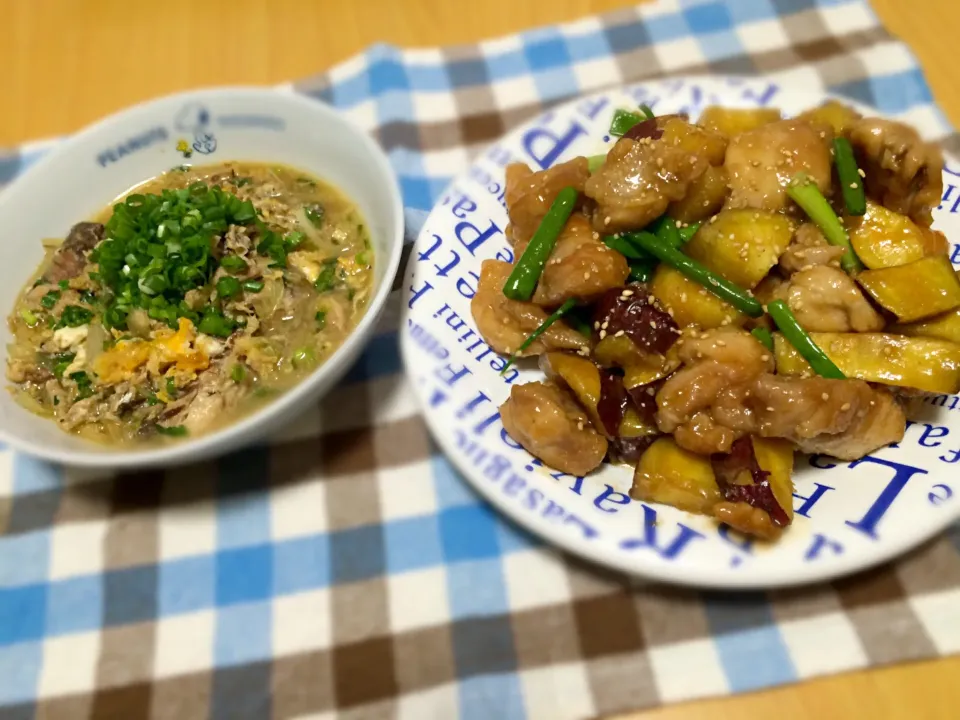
(849, 516)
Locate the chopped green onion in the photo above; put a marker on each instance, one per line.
(556, 315)
(171, 387)
(61, 362)
(327, 279)
(645, 109)
(687, 233)
(253, 286)
(304, 357)
(622, 121)
(625, 247)
(595, 162)
(172, 430)
(214, 323)
(28, 317)
(315, 214)
(84, 384)
(228, 287)
(719, 286)
(74, 316)
(807, 195)
(801, 340)
(763, 336)
(851, 183)
(526, 273)
(642, 270)
(233, 263)
(665, 228)
(50, 299)
(362, 258)
(321, 318)
(292, 240)
(237, 373)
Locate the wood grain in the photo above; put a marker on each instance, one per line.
(68, 62)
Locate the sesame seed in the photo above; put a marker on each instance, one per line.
(596, 325)
(770, 408)
(627, 293)
(586, 276)
(845, 407)
(764, 357)
(653, 325)
(721, 343)
(606, 220)
(853, 186)
(603, 334)
(683, 297)
(651, 299)
(596, 236)
(872, 403)
(618, 333)
(861, 172)
(579, 424)
(679, 224)
(606, 324)
(825, 396)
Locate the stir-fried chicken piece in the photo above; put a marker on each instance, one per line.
(580, 266)
(551, 426)
(530, 194)
(903, 173)
(506, 323)
(846, 419)
(717, 363)
(826, 299)
(808, 249)
(762, 162)
(637, 182)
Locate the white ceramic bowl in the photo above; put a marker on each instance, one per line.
(86, 172)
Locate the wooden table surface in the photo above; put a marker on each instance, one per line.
(68, 62)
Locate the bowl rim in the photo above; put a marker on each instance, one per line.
(245, 430)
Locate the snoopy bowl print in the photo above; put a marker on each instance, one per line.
(846, 515)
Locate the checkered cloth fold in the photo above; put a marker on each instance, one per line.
(344, 569)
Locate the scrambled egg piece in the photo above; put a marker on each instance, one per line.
(167, 351)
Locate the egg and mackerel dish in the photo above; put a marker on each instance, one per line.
(197, 296)
(709, 298)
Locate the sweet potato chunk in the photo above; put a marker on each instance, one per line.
(670, 475)
(923, 363)
(730, 122)
(742, 245)
(883, 238)
(690, 303)
(705, 196)
(914, 291)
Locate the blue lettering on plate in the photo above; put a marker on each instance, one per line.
(132, 145)
(267, 122)
(939, 494)
(426, 341)
(901, 475)
(652, 541)
(820, 543)
(950, 193)
(811, 500)
(545, 145)
(945, 401)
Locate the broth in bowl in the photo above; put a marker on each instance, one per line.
(198, 295)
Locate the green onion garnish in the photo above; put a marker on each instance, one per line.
(719, 286)
(526, 273)
(851, 184)
(807, 195)
(801, 340)
(556, 315)
(763, 336)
